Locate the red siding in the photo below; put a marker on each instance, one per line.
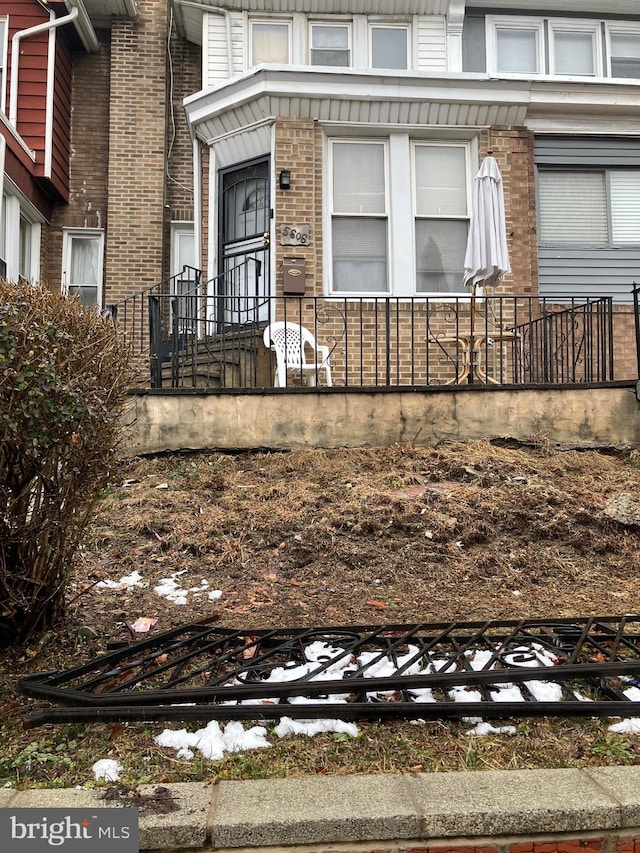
(32, 94)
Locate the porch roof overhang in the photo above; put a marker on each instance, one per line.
(354, 97)
(362, 98)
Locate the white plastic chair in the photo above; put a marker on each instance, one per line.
(290, 343)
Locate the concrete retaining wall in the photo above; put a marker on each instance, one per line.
(504, 811)
(566, 417)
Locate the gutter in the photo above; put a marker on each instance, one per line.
(84, 26)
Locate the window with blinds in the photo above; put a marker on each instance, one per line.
(441, 216)
(270, 42)
(624, 51)
(359, 217)
(592, 207)
(331, 44)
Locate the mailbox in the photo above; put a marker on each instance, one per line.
(295, 275)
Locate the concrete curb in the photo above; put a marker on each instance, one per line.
(346, 810)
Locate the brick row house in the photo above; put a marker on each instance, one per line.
(337, 139)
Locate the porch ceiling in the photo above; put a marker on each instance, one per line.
(101, 11)
(366, 98)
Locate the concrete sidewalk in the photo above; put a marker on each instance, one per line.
(387, 811)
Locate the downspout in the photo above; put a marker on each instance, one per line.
(51, 24)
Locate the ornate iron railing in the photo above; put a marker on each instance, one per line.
(210, 335)
(577, 666)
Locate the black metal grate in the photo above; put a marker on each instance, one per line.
(581, 666)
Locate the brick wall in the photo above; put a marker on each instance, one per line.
(137, 151)
(89, 162)
(299, 148)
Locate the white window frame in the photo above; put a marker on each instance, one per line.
(68, 236)
(18, 206)
(415, 216)
(347, 24)
(495, 23)
(401, 211)
(382, 25)
(350, 215)
(618, 28)
(284, 22)
(569, 25)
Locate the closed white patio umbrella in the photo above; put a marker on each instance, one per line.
(486, 259)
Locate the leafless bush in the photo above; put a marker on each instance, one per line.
(64, 377)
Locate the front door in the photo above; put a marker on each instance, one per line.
(245, 226)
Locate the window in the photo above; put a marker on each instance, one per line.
(575, 49)
(25, 237)
(624, 51)
(21, 235)
(389, 47)
(3, 238)
(398, 215)
(270, 42)
(532, 46)
(441, 216)
(82, 264)
(590, 206)
(517, 46)
(331, 44)
(359, 217)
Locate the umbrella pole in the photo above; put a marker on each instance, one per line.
(472, 343)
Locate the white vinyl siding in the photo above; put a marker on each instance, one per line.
(216, 61)
(431, 40)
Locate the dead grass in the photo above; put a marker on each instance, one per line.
(398, 534)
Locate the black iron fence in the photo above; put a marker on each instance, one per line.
(189, 333)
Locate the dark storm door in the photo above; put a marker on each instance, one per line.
(244, 251)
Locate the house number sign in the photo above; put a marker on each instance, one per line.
(294, 235)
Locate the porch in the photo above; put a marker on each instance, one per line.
(187, 334)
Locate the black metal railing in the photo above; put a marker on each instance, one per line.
(211, 335)
(636, 316)
(576, 667)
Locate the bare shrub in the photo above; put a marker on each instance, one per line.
(64, 377)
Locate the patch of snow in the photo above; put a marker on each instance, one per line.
(287, 727)
(481, 729)
(134, 579)
(628, 726)
(107, 769)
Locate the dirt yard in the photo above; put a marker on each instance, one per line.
(400, 534)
